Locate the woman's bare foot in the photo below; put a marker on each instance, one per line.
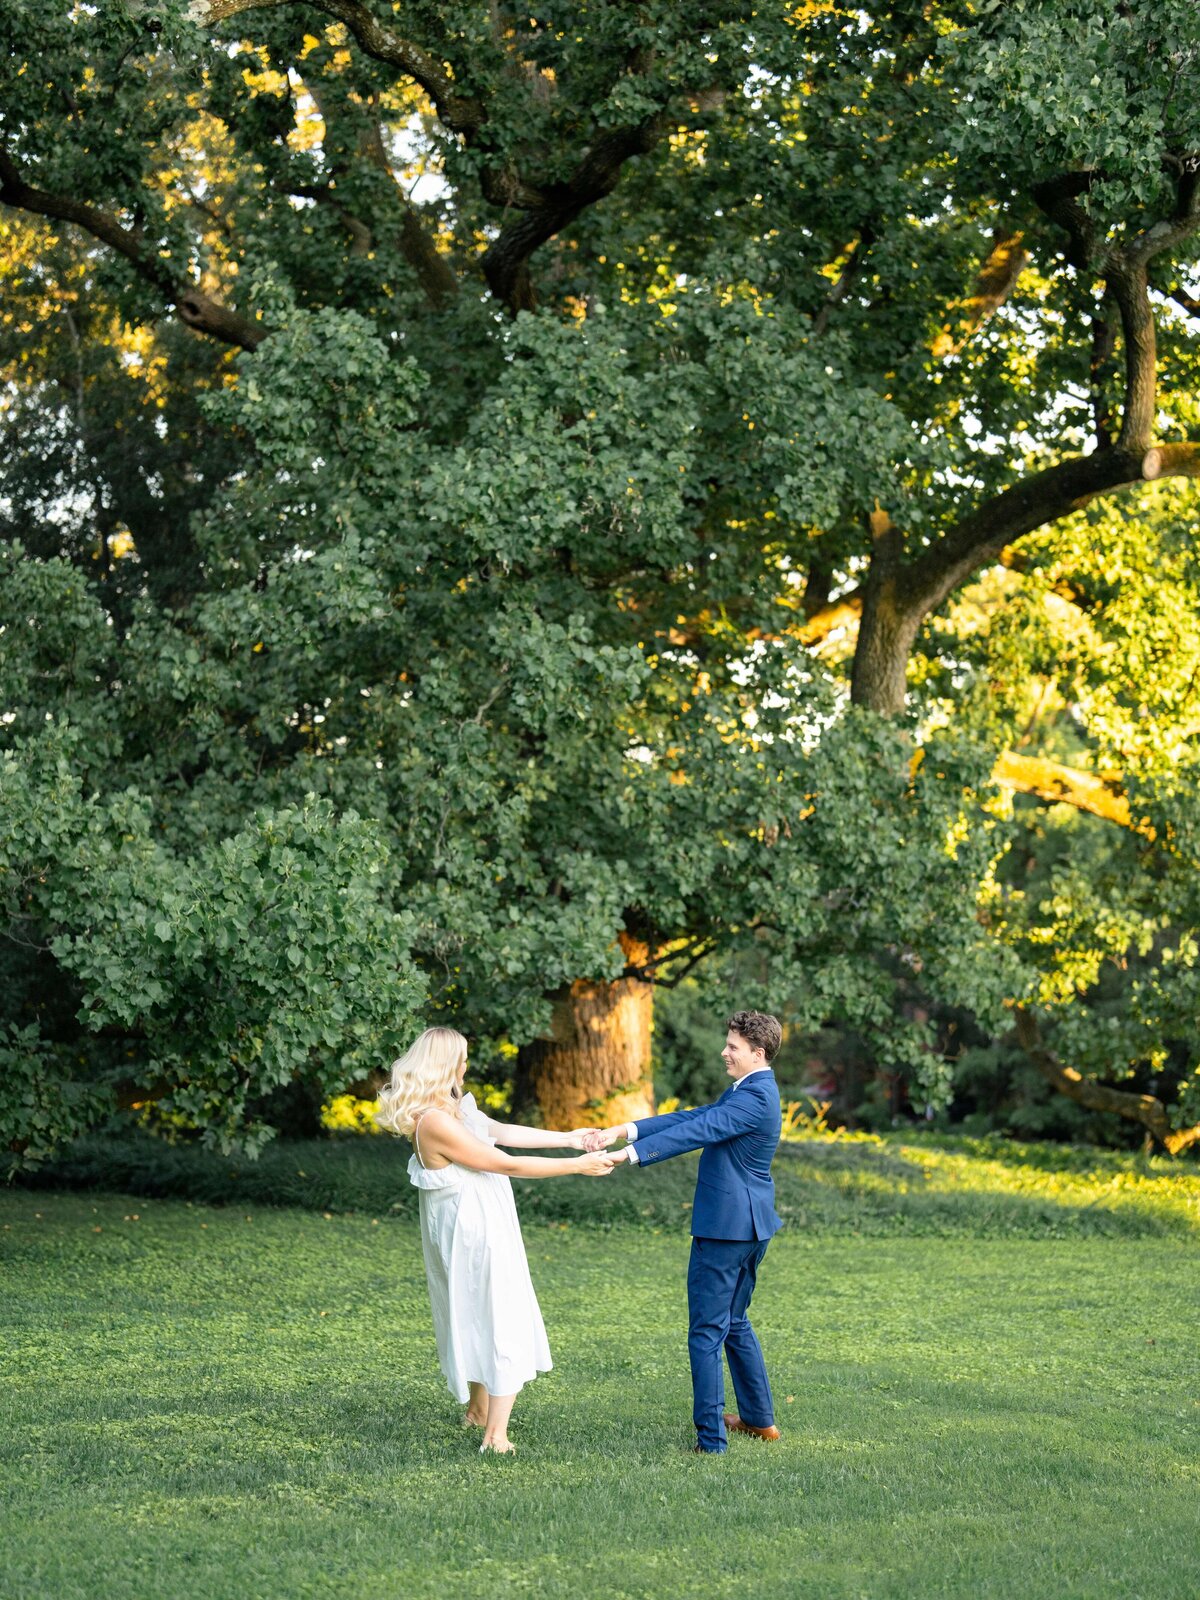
(476, 1414)
(496, 1436)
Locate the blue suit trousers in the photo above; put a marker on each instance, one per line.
(721, 1276)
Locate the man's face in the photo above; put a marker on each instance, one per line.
(740, 1056)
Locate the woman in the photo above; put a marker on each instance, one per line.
(490, 1337)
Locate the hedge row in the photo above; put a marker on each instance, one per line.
(896, 1185)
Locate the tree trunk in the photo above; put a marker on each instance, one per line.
(594, 1068)
(1143, 1108)
(888, 627)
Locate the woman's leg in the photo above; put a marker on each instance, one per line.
(499, 1408)
(476, 1414)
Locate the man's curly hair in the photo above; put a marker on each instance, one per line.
(759, 1031)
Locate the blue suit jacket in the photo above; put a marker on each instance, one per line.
(735, 1193)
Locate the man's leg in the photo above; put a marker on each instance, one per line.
(746, 1365)
(712, 1278)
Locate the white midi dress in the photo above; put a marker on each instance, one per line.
(486, 1318)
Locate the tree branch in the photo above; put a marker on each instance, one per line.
(1128, 283)
(505, 264)
(364, 142)
(1104, 340)
(1140, 1108)
(547, 209)
(646, 971)
(1058, 199)
(901, 589)
(434, 272)
(1125, 269)
(1129, 280)
(195, 308)
(459, 113)
(1100, 793)
(1041, 498)
(852, 270)
(889, 621)
(1006, 260)
(1171, 231)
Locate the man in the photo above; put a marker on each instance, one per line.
(733, 1219)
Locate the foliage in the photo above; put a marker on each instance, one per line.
(827, 1182)
(1097, 669)
(1070, 86)
(583, 369)
(509, 737)
(688, 1039)
(998, 1090)
(346, 1113)
(263, 954)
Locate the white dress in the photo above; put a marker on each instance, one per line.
(486, 1317)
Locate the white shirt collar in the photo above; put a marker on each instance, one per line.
(751, 1073)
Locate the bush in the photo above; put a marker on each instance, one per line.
(889, 1185)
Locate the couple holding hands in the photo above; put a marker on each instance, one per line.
(490, 1337)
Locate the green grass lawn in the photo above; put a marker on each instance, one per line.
(211, 1402)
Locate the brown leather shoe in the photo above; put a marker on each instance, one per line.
(735, 1424)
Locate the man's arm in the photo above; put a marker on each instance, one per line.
(601, 1138)
(668, 1119)
(677, 1133)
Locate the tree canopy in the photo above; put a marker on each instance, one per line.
(500, 501)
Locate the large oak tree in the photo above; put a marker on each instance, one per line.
(603, 371)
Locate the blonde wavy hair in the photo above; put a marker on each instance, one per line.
(425, 1076)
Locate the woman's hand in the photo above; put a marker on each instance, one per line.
(595, 1164)
(582, 1138)
(602, 1138)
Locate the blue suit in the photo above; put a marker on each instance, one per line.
(733, 1219)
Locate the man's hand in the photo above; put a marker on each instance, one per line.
(597, 1164)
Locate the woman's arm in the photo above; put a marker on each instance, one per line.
(518, 1137)
(443, 1135)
